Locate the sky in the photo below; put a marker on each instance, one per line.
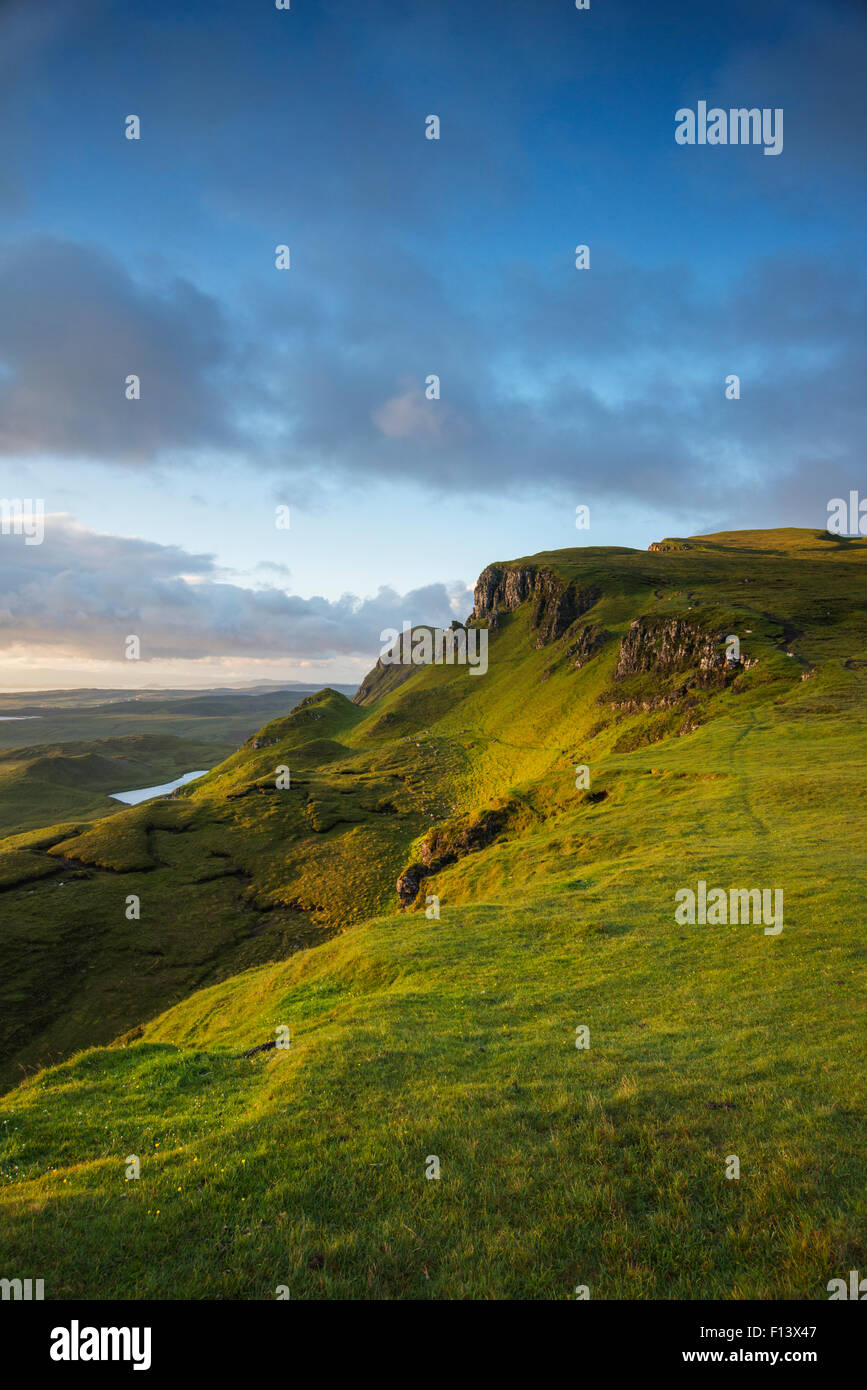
(307, 388)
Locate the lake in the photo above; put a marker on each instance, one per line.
(145, 793)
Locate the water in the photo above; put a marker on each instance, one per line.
(145, 793)
(10, 718)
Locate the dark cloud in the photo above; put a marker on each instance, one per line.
(584, 383)
(602, 381)
(813, 67)
(29, 34)
(74, 325)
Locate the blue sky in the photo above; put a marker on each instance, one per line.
(409, 256)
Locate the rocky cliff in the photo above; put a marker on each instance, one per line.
(555, 603)
(665, 645)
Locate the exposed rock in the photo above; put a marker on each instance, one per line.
(556, 604)
(388, 675)
(674, 700)
(499, 588)
(263, 1047)
(445, 844)
(666, 645)
(409, 883)
(587, 642)
(382, 679)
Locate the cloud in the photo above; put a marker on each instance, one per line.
(28, 35)
(815, 72)
(631, 401)
(73, 325)
(80, 594)
(413, 257)
(407, 415)
(589, 384)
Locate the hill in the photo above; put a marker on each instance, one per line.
(455, 1036)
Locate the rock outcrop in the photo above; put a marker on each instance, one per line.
(556, 603)
(666, 645)
(382, 679)
(446, 844)
(388, 675)
(670, 545)
(409, 883)
(589, 640)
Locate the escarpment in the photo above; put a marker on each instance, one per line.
(556, 604)
(397, 664)
(585, 643)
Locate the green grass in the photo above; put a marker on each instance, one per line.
(456, 1037)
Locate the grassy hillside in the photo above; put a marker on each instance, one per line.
(455, 1037)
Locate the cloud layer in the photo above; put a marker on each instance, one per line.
(605, 381)
(81, 594)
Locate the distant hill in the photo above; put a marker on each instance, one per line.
(33, 701)
(218, 717)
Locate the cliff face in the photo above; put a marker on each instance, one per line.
(387, 676)
(556, 604)
(663, 646)
(587, 641)
(501, 589)
(652, 646)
